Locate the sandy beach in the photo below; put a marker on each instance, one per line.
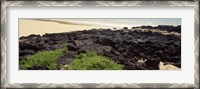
(31, 26)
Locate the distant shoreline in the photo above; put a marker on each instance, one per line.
(40, 27)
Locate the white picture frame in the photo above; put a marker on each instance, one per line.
(51, 4)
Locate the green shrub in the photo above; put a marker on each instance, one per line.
(92, 61)
(46, 59)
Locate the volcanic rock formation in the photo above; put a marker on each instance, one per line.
(124, 46)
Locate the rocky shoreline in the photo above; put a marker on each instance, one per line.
(125, 46)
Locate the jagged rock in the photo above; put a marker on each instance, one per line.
(153, 63)
(78, 43)
(123, 46)
(66, 58)
(33, 36)
(125, 28)
(105, 41)
(178, 43)
(24, 46)
(174, 59)
(140, 40)
(38, 68)
(25, 52)
(130, 65)
(72, 47)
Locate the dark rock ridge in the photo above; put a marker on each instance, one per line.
(123, 46)
(169, 28)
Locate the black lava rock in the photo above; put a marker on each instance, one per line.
(124, 46)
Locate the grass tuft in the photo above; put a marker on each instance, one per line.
(92, 61)
(47, 59)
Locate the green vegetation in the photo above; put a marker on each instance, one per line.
(83, 61)
(46, 59)
(92, 61)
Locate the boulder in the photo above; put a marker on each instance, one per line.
(105, 41)
(153, 63)
(66, 58)
(72, 47)
(26, 52)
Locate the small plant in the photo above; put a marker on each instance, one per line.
(92, 61)
(64, 44)
(46, 59)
